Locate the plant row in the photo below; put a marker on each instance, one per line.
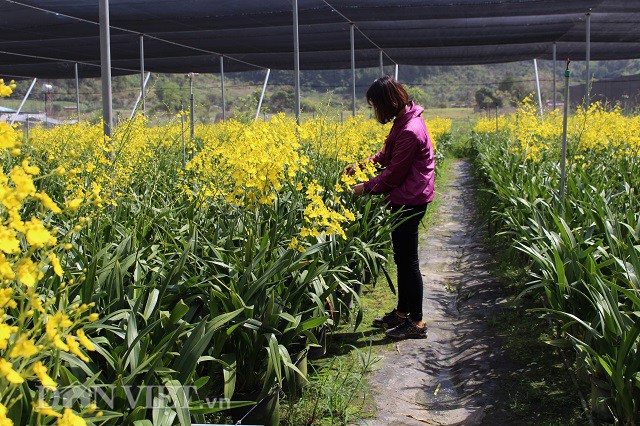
(162, 272)
(584, 248)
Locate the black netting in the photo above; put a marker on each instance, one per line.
(259, 32)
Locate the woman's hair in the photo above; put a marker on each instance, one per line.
(387, 97)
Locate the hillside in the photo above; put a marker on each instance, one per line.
(321, 90)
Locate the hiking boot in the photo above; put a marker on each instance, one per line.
(407, 330)
(389, 320)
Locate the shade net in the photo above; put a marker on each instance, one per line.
(189, 35)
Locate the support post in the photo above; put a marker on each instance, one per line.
(77, 92)
(264, 89)
(191, 106)
(184, 149)
(105, 64)
(143, 81)
(353, 70)
(395, 73)
(26, 96)
(563, 166)
(535, 67)
(144, 85)
(381, 64)
(224, 101)
(588, 60)
(555, 74)
(296, 60)
(46, 88)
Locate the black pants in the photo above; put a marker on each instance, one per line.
(405, 253)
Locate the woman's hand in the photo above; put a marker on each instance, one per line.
(350, 169)
(358, 189)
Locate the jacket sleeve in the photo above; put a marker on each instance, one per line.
(377, 158)
(402, 157)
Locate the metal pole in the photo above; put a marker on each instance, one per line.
(496, 118)
(588, 60)
(296, 60)
(567, 75)
(224, 101)
(264, 89)
(26, 96)
(46, 118)
(77, 92)
(395, 73)
(381, 64)
(517, 109)
(191, 106)
(535, 66)
(135, 106)
(555, 73)
(184, 149)
(143, 81)
(353, 70)
(105, 63)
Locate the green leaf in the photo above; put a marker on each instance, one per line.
(313, 323)
(201, 381)
(180, 402)
(179, 311)
(161, 414)
(221, 320)
(560, 343)
(152, 301)
(229, 374)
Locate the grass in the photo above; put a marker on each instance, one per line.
(457, 115)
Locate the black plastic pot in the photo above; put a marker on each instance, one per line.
(317, 352)
(358, 289)
(600, 393)
(346, 301)
(265, 412)
(299, 358)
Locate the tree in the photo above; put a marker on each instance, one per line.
(486, 99)
(169, 96)
(507, 84)
(510, 90)
(245, 107)
(417, 95)
(281, 100)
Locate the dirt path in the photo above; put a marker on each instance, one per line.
(453, 376)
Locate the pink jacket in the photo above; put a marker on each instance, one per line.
(408, 162)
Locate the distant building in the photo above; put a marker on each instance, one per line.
(33, 118)
(623, 91)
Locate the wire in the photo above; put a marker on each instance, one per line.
(126, 30)
(359, 30)
(16, 76)
(24, 55)
(308, 86)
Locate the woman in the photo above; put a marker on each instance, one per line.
(407, 180)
